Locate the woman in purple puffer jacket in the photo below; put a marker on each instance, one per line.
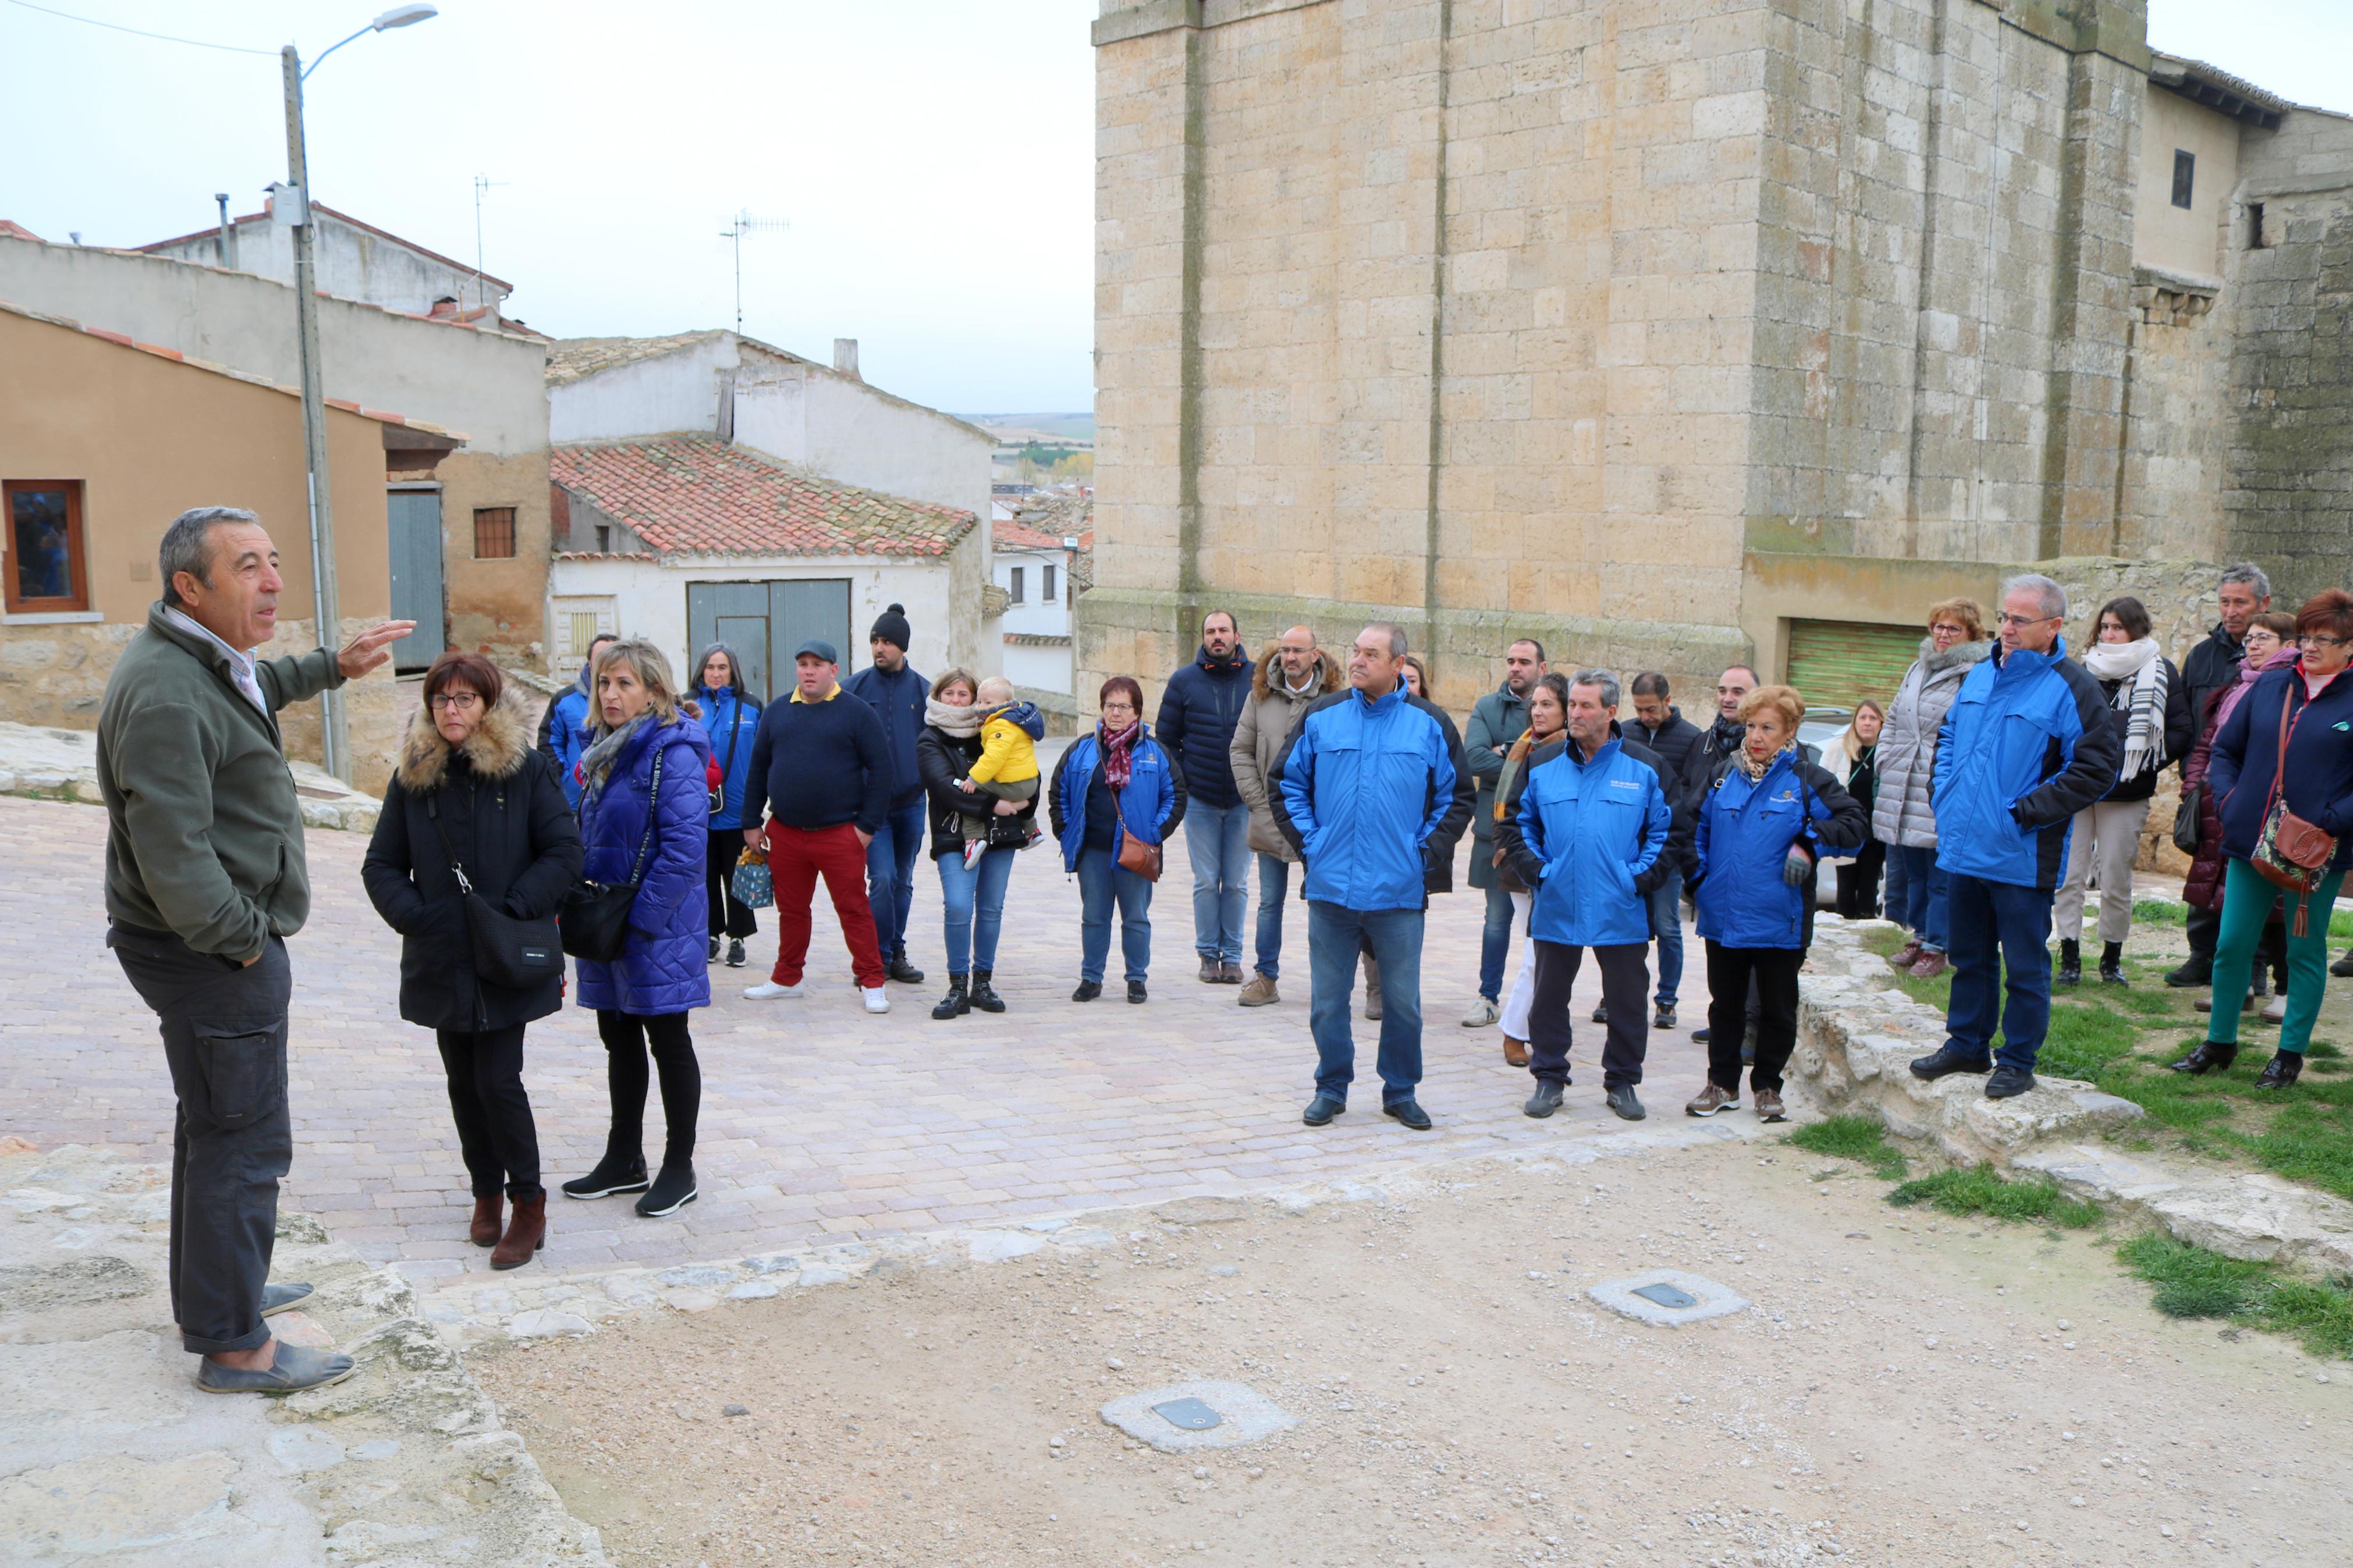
(643, 997)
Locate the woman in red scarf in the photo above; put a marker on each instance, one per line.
(1116, 797)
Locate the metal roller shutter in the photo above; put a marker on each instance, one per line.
(1834, 664)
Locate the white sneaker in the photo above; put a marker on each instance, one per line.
(769, 991)
(877, 1000)
(1481, 1014)
(974, 848)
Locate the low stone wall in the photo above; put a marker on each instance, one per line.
(62, 764)
(56, 676)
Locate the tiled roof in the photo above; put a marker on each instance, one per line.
(1014, 535)
(569, 359)
(1043, 523)
(696, 495)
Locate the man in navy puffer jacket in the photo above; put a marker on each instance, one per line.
(2026, 745)
(1199, 709)
(1372, 791)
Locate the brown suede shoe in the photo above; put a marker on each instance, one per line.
(1515, 1052)
(484, 1231)
(526, 1234)
(1910, 953)
(1711, 1099)
(1931, 965)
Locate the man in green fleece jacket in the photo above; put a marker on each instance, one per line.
(205, 881)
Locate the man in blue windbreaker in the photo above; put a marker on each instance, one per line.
(1372, 791)
(563, 727)
(1586, 830)
(2026, 745)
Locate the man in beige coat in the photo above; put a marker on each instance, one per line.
(1291, 673)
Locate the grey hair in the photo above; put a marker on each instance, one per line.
(734, 670)
(2048, 594)
(2248, 572)
(1606, 681)
(1651, 683)
(187, 545)
(1394, 632)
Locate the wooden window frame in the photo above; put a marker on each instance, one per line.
(492, 511)
(77, 550)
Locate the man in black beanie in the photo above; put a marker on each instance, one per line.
(892, 687)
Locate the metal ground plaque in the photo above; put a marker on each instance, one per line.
(1190, 1417)
(1668, 1298)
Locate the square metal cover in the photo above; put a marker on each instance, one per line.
(1189, 1414)
(1669, 1295)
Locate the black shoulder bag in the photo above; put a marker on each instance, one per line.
(596, 921)
(518, 954)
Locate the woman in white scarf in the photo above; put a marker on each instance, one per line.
(2150, 708)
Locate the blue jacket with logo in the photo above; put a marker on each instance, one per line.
(2026, 744)
(732, 720)
(1151, 806)
(2319, 762)
(1374, 794)
(1745, 832)
(1587, 835)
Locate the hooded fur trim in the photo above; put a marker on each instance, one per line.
(497, 749)
(1961, 653)
(1268, 659)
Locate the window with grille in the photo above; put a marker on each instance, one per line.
(1013, 588)
(2185, 178)
(584, 629)
(494, 533)
(46, 566)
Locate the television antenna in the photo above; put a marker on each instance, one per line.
(743, 223)
(481, 183)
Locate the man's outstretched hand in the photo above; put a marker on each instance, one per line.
(371, 649)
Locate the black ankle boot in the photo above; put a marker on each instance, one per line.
(2281, 1070)
(2070, 964)
(983, 995)
(2112, 964)
(956, 1003)
(2211, 1055)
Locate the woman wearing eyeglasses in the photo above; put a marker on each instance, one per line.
(2268, 644)
(2282, 768)
(471, 794)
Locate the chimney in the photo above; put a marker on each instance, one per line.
(845, 357)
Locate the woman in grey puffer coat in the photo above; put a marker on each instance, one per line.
(1901, 816)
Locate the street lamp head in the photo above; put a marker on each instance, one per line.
(404, 16)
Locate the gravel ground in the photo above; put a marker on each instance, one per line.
(1905, 1389)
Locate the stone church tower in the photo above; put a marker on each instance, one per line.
(1679, 332)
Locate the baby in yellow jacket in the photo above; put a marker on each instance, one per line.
(1006, 768)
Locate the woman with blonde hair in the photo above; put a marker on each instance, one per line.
(1852, 759)
(1903, 817)
(644, 804)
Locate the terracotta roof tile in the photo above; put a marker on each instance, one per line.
(695, 495)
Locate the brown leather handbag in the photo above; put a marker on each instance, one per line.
(2291, 852)
(1134, 855)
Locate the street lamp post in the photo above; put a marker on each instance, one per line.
(335, 729)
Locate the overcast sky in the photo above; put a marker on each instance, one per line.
(934, 158)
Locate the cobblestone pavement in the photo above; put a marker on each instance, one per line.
(818, 1120)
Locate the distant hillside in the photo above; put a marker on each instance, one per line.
(1074, 426)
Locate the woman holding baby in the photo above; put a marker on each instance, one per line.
(976, 820)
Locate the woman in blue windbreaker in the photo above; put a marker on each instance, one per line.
(629, 825)
(1763, 823)
(730, 717)
(1112, 784)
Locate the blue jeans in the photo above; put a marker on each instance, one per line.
(974, 900)
(1667, 927)
(1926, 896)
(1274, 887)
(1101, 883)
(1334, 935)
(1216, 839)
(1495, 942)
(891, 877)
(1999, 926)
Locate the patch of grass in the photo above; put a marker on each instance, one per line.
(2150, 913)
(1977, 1189)
(2310, 1140)
(2083, 1039)
(1857, 1138)
(2189, 1281)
